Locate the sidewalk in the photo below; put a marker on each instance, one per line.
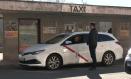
(4, 65)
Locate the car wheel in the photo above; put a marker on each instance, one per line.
(127, 70)
(108, 58)
(53, 62)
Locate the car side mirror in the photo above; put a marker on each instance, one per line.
(68, 42)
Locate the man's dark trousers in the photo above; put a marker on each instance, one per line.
(93, 56)
(92, 42)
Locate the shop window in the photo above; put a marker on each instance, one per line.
(105, 26)
(28, 33)
(124, 30)
(70, 27)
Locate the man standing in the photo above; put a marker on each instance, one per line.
(92, 42)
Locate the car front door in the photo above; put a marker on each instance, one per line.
(70, 51)
(78, 50)
(83, 50)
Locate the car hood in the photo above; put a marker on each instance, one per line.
(36, 47)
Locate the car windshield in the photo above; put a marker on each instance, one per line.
(56, 39)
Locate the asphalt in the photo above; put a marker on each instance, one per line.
(14, 71)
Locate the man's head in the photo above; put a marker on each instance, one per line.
(77, 39)
(92, 25)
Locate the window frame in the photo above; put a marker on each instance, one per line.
(74, 36)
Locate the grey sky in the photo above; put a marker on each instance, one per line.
(126, 3)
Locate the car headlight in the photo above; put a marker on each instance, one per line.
(37, 52)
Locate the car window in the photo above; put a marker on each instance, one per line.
(76, 39)
(102, 37)
(56, 39)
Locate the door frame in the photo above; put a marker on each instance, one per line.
(3, 33)
(38, 30)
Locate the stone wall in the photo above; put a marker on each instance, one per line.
(59, 7)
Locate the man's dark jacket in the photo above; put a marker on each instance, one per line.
(92, 39)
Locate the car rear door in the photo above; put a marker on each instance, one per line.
(103, 44)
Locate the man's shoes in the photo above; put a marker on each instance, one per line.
(92, 68)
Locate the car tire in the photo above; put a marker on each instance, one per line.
(108, 58)
(126, 68)
(53, 62)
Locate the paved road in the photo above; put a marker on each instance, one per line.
(68, 72)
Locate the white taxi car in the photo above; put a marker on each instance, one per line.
(71, 48)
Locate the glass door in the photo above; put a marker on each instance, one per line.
(28, 33)
(1, 39)
(1, 33)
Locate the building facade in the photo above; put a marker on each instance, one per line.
(24, 23)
